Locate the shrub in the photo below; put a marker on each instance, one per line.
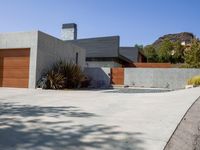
(62, 75)
(192, 55)
(194, 81)
(164, 51)
(150, 53)
(183, 66)
(54, 80)
(72, 73)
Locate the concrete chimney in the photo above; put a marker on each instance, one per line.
(69, 32)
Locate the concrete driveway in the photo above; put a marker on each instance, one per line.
(90, 120)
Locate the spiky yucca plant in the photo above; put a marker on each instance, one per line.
(73, 74)
(63, 75)
(55, 80)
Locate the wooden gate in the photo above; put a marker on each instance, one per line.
(117, 76)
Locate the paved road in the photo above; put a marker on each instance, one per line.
(90, 120)
(187, 135)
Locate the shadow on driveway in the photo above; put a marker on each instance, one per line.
(33, 127)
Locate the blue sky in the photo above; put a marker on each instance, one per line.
(135, 21)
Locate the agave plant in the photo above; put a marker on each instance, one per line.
(55, 80)
(63, 75)
(73, 75)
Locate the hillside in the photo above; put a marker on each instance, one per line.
(182, 37)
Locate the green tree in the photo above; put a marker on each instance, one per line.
(150, 53)
(192, 55)
(165, 51)
(177, 54)
(140, 47)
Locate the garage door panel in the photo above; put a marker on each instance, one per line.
(14, 67)
(15, 52)
(13, 82)
(14, 62)
(14, 73)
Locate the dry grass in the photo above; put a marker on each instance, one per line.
(194, 81)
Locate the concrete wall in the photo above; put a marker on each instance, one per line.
(172, 78)
(102, 64)
(100, 77)
(51, 50)
(23, 40)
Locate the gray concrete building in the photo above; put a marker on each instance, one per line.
(25, 56)
(102, 51)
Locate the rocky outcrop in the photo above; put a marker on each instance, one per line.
(181, 37)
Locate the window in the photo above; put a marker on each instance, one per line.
(77, 58)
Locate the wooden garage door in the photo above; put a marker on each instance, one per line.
(117, 76)
(14, 67)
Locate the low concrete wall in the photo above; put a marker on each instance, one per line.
(100, 77)
(172, 78)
